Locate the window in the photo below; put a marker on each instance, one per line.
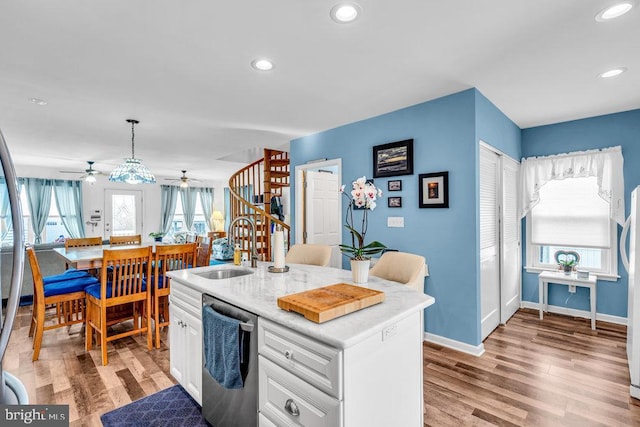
(53, 228)
(200, 225)
(572, 216)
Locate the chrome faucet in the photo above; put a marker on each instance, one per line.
(254, 252)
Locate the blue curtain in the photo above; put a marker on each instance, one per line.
(39, 200)
(188, 197)
(168, 199)
(69, 203)
(5, 212)
(6, 224)
(206, 199)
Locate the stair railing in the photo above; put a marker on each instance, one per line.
(250, 190)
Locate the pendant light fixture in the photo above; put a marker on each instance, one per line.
(132, 171)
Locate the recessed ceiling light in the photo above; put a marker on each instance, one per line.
(613, 72)
(614, 11)
(38, 101)
(343, 13)
(262, 64)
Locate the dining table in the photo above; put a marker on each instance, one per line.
(88, 257)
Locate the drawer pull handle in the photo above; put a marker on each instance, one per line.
(291, 407)
(180, 322)
(288, 354)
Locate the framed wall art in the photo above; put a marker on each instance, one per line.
(394, 202)
(394, 185)
(434, 190)
(393, 159)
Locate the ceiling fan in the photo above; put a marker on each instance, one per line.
(184, 180)
(89, 174)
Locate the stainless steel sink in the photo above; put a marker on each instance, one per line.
(224, 274)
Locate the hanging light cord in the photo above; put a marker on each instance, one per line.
(133, 135)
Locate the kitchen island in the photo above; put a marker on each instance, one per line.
(364, 368)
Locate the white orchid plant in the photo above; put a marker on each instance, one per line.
(362, 197)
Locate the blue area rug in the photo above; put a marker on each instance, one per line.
(170, 407)
(217, 262)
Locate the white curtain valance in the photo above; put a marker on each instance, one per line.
(605, 164)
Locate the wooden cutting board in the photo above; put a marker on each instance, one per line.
(329, 302)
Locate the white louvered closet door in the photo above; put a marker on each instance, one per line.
(500, 258)
(489, 241)
(510, 241)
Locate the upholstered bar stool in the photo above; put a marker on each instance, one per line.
(310, 254)
(402, 267)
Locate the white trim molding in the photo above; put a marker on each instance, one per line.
(474, 350)
(576, 313)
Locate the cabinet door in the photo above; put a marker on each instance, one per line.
(177, 344)
(192, 351)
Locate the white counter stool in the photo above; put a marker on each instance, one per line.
(310, 254)
(408, 269)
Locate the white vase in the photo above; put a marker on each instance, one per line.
(360, 270)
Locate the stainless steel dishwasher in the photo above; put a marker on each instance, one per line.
(224, 407)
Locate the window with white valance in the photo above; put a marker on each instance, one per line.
(606, 165)
(572, 202)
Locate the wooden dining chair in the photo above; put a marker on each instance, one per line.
(135, 239)
(213, 235)
(167, 258)
(62, 292)
(204, 250)
(124, 285)
(83, 242)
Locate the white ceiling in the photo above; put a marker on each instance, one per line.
(183, 69)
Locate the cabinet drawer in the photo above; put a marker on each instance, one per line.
(189, 299)
(315, 362)
(264, 421)
(289, 401)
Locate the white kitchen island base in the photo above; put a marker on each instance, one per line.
(362, 369)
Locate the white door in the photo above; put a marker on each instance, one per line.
(489, 241)
(322, 211)
(123, 212)
(510, 241)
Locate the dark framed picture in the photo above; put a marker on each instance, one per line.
(394, 202)
(394, 185)
(393, 159)
(434, 190)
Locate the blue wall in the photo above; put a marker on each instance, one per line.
(598, 132)
(445, 139)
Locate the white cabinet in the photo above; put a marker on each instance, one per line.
(185, 341)
(287, 400)
(374, 380)
(307, 382)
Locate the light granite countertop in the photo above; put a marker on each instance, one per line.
(259, 291)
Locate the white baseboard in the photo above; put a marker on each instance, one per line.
(634, 391)
(474, 350)
(576, 313)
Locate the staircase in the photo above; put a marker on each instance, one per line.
(251, 189)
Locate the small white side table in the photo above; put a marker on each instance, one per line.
(558, 277)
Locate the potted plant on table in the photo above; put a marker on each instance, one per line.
(156, 235)
(567, 260)
(362, 198)
(567, 265)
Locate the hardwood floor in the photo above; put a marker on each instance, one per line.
(555, 372)
(66, 374)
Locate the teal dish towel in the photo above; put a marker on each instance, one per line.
(221, 336)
